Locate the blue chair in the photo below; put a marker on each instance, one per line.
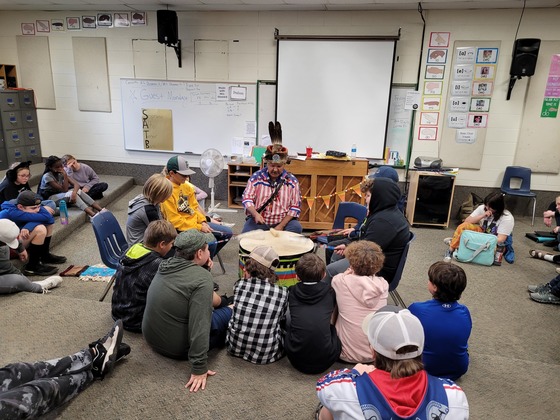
(110, 241)
(523, 174)
(346, 210)
(398, 274)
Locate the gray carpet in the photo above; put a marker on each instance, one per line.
(513, 348)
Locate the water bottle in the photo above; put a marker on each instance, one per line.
(63, 212)
(499, 253)
(354, 150)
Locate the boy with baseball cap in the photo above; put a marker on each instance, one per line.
(181, 207)
(11, 279)
(179, 320)
(396, 386)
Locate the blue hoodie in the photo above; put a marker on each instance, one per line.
(23, 219)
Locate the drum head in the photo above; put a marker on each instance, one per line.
(285, 243)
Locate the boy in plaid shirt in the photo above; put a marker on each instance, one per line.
(259, 307)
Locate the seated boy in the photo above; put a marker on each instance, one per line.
(396, 386)
(259, 306)
(136, 270)
(36, 226)
(447, 324)
(85, 176)
(312, 344)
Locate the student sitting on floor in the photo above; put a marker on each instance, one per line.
(31, 390)
(396, 386)
(11, 279)
(135, 272)
(447, 324)
(259, 307)
(85, 176)
(36, 227)
(358, 292)
(55, 185)
(312, 344)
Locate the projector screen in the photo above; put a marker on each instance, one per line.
(334, 93)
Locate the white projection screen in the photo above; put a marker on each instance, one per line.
(333, 93)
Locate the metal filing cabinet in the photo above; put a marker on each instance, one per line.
(19, 131)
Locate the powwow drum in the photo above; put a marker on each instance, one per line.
(288, 245)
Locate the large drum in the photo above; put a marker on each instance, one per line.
(288, 245)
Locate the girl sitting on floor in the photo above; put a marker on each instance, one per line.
(55, 185)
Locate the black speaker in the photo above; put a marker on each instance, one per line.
(524, 57)
(167, 27)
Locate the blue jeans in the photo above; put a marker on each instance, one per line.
(555, 286)
(222, 234)
(219, 326)
(293, 226)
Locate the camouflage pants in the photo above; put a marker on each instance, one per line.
(30, 390)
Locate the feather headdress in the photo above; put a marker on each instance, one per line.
(276, 153)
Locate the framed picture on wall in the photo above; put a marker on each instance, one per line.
(89, 22)
(43, 25)
(487, 55)
(465, 55)
(138, 19)
(477, 120)
(482, 88)
(104, 20)
(57, 25)
(122, 20)
(434, 72)
(437, 55)
(429, 118)
(484, 71)
(480, 104)
(73, 23)
(439, 39)
(431, 103)
(28, 29)
(427, 133)
(433, 87)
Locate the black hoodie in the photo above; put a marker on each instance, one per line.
(311, 343)
(386, 225)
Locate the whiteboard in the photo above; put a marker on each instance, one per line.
(334, 93)
(198, 118)
(399, 122)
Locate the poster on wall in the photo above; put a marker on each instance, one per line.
(465, 55)
(437, 55)
(427, 133)
(487, 55)
(482, 88)
(157, 129)
(439, 39)
(480, 104)
(484, 71)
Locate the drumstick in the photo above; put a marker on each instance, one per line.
(274, 232)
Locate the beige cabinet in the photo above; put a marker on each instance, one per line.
(430, 196)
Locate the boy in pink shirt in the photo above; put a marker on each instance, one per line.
(359, 292)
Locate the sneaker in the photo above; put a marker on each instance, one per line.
(39, 270)
(447, 241)
(105, 351)
(447, 256)
(545, 297)
(53, 259)
(558, 270)
(123, 351)
(538, 288)
(216, 287)
(550, 243)
(49, 283)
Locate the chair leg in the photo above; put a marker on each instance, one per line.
(534, 208)
(108, 287)
(397, 298)
(221, 263)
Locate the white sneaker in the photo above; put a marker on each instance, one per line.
(447, 256)
(49, 283)
(447, 241)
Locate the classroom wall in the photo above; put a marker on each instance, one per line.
(248, 39)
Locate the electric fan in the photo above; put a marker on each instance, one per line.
(211, 164)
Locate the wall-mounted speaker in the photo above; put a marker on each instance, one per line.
(524, 57)
(167, 27)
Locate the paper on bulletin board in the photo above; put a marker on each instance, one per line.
(157, 129)
(242, 146)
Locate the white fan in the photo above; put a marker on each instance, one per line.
(211, 164)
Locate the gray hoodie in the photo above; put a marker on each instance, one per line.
(140, 213)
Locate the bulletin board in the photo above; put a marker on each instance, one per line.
(539, 135)
(186, 117)
(463, 146)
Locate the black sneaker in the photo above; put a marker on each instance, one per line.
(39, 270)
(53, 259)
(106, 351)
(123, 351)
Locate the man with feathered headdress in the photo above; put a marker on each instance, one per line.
(272, 197)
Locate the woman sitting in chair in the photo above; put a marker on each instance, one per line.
(490, 217)
(385, 225)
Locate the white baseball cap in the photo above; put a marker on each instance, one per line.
(390, 329)
(9, 233)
